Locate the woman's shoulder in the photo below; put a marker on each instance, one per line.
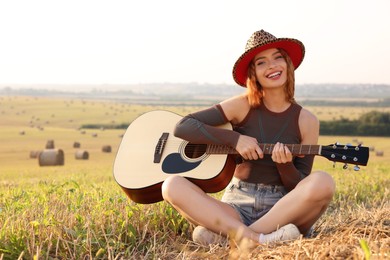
(236, 108)
(309, 126)
(307, 116)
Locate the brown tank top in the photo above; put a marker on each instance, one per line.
(267, 127)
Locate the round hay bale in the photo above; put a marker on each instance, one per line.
(81, 155)
(34, 154)
(51, 157)
(106, 149)
(379, 153)
(76, 145)
(50, 144)
(22, 132)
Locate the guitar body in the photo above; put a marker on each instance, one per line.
(140, 175)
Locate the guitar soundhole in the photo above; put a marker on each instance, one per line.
(194, 151)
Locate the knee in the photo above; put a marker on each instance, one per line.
(171, 187)
(320, 186)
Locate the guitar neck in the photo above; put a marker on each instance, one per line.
(296, 149)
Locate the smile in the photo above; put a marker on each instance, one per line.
(275, 74)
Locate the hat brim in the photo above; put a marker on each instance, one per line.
(294, 48)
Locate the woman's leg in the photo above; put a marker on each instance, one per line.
(302, 206)
(201, 209)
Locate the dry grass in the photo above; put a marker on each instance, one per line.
(77, 211)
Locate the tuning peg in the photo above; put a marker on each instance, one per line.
(356, 168)
(345, 166)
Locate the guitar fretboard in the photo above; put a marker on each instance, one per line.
(296, 149)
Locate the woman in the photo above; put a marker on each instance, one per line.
(272, 197)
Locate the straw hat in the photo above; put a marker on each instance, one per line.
(260, 41)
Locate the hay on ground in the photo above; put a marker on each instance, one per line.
(379, 153)
(106, 149)
(51, 157)
(81, 155)
(50, 144)
(34, 154)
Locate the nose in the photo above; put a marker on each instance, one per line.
(272, 64)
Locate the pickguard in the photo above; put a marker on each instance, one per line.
(174, 163)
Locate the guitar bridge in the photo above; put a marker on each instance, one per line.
(160, 147)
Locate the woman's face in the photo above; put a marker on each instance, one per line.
(270, 68)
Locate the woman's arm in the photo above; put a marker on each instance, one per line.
(200, 127)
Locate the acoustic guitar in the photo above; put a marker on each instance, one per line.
(149, 153)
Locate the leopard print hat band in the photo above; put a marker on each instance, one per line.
(260, 41)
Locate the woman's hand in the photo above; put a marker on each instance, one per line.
(249, 148)
(281, 154)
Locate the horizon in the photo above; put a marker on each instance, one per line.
(333, 90)
(50, 86)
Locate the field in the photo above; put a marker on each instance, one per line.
(78, 211)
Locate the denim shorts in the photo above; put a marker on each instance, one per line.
(251, 200)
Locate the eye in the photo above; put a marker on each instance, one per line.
(279, 57)
(258, 63)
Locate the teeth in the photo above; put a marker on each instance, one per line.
(274, 74)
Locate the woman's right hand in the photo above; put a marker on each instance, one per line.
(249, 148)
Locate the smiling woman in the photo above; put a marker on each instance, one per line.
(287, 198)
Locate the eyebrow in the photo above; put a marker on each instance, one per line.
(276, 52)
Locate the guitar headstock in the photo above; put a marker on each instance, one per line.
(357, 155)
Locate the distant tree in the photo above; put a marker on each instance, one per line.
(375, 117)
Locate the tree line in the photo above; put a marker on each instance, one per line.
(373, 123)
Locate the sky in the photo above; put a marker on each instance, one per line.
(172, 41)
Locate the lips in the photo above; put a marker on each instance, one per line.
(274, 74)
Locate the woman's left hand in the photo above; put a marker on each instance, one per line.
(281, 153)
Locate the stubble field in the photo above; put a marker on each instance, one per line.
(78, 211)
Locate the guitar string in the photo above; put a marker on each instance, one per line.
(191, 147)
(223, 149)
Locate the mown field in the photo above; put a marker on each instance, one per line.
(78, 211)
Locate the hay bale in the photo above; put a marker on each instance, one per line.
(34, 154)
(51, 157)
(81, 155)
(379, 153)
(22, 132)
(50, 144)
(76, 145)
(106, 149)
